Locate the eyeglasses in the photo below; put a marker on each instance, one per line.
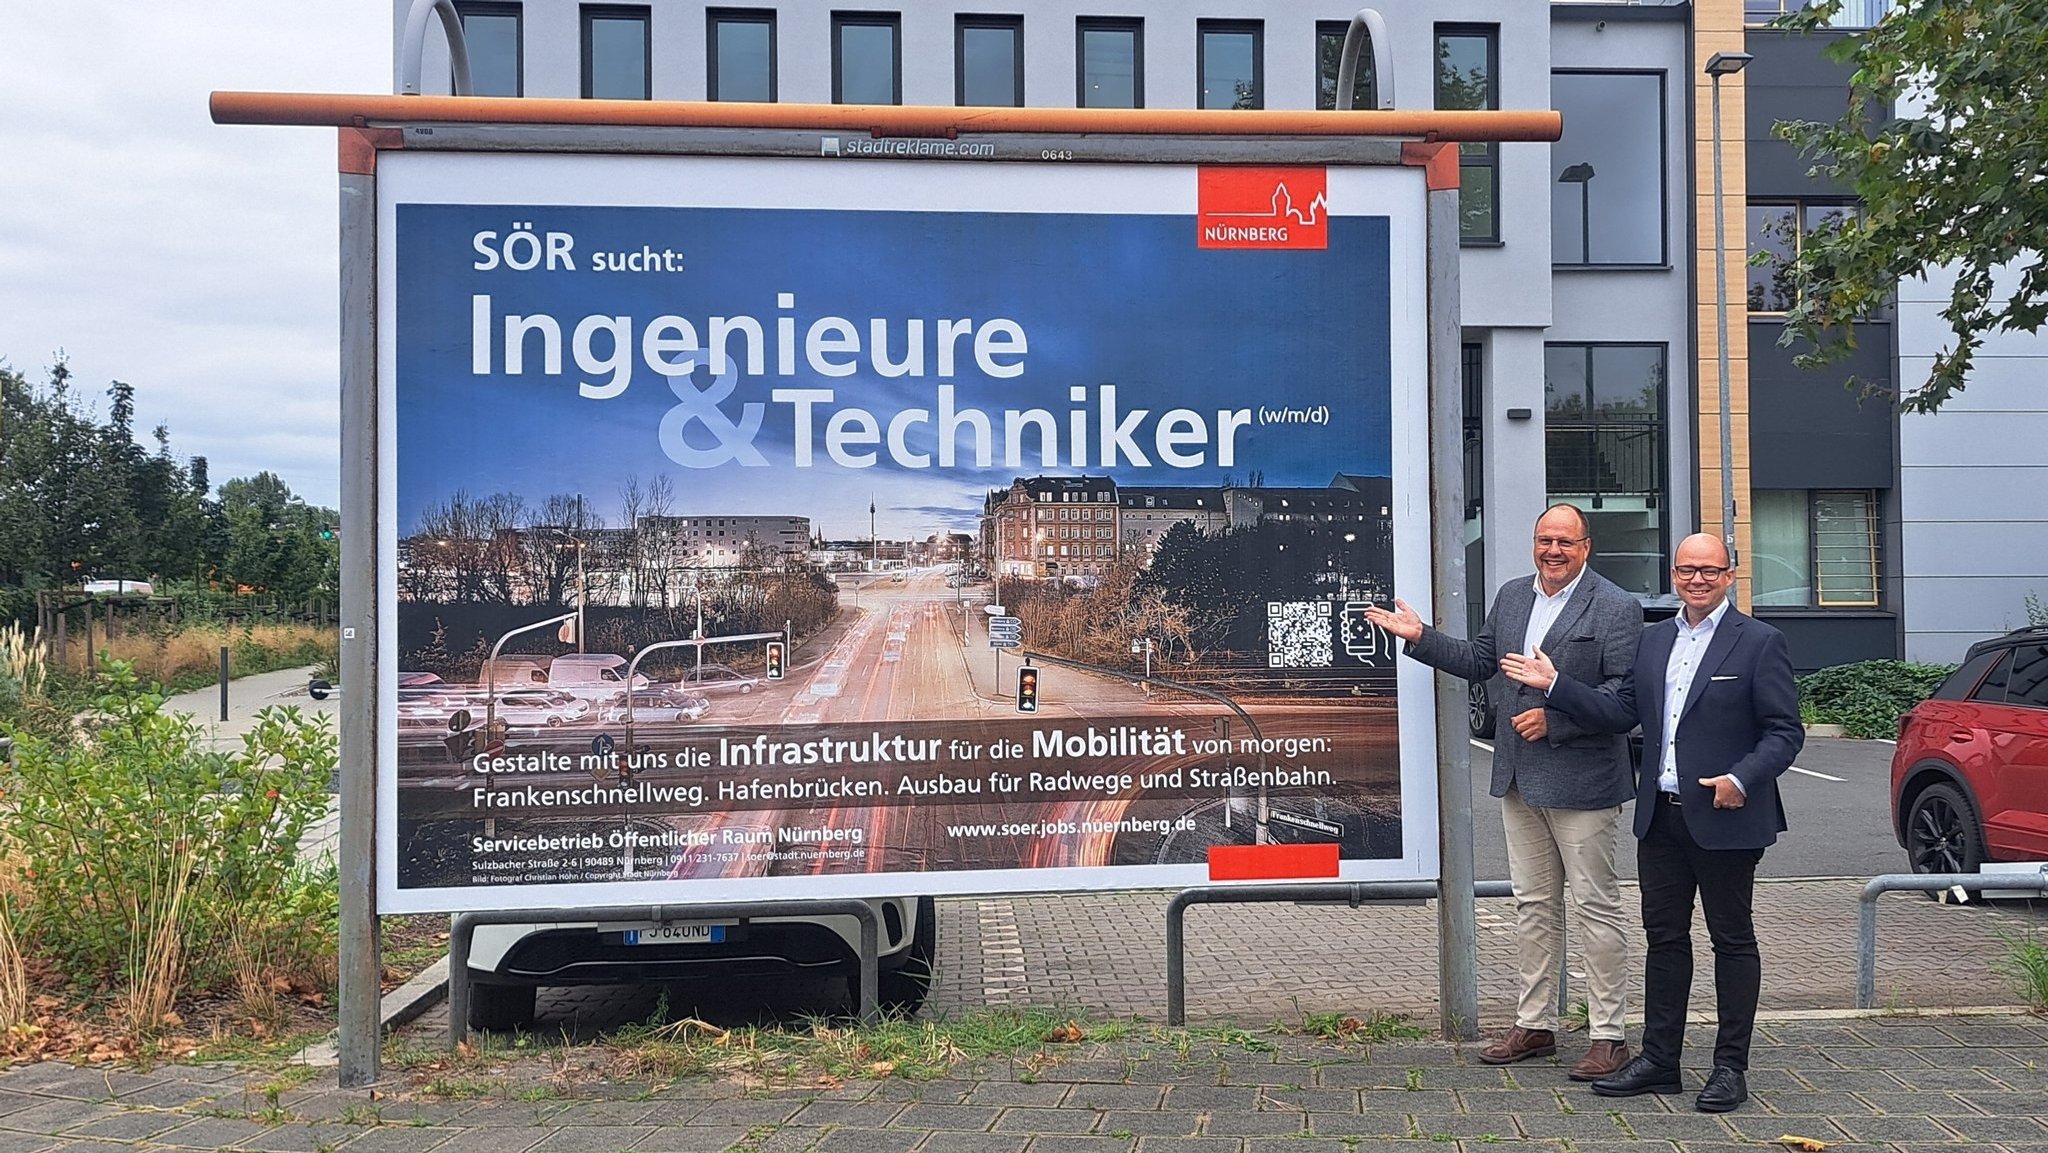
(1560, 541)
(1692, 571)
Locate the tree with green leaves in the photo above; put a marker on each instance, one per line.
(1944, 140)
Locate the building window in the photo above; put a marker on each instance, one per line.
(867, 58)
(1852, 13)
(988, 61)
(1604, 451)
(1230, 64)
(1109, 57)
(1813, 549)
(1607, 202)
(616, 60)
(1777, 233)
(493, 35)
(1468, 77)
(741, 47)
(1365, 92)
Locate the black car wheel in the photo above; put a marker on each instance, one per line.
(901, 991)
(501, 1008)
(1942, 834)
(1481, 719)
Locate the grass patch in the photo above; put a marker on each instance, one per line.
(2025, 964)
(1373, 1028)
(915, 1050)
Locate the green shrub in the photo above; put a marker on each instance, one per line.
(1866, 698)
(112, 815)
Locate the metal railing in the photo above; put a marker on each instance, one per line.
(1604, 458)
(1352, 893)
(1866, 919)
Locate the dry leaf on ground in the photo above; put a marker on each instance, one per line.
(1065, 1034)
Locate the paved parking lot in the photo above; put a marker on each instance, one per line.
(1103, 955)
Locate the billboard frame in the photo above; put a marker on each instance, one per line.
(369, 125)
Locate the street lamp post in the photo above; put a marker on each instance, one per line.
(1718, 65)
(1581, 174)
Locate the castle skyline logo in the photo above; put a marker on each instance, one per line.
(1284, 208)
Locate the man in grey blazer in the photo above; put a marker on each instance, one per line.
(1561, 783)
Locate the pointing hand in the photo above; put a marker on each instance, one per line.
(1399, 621)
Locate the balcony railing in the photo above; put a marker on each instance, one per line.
(1604, 458)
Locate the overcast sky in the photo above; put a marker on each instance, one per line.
(194, 261)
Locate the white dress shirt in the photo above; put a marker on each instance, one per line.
(1546, 610)
(1686, 653)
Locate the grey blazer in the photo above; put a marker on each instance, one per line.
(1593, 642)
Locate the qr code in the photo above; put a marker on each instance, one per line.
(1298, 635)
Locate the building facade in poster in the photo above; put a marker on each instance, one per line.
(651, 415)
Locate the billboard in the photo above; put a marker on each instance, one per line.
(762, 527)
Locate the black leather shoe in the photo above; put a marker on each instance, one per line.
(1641, 1075)
(1726, 1088)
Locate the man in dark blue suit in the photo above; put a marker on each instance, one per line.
(1714, 694)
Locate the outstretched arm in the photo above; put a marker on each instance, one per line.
(1471, 660)
(1617, 660)
(1610, 708)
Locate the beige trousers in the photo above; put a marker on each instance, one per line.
(1548, 849)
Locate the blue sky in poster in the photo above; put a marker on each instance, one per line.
(1121, 300)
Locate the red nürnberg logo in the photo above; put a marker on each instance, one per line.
(1262, 208)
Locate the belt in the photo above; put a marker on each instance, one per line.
(1669, 798)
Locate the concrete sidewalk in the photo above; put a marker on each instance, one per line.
(248, 696)
(1892, 1084)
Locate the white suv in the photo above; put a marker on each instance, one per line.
(509, 963)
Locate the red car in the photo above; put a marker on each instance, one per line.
(1970, 776)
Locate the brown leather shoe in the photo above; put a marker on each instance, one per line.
(1519, 1045)
(1604, 1059)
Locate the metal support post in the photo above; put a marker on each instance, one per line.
(223, 682)
(361, 967)
(1721, 343)
(1457, 926)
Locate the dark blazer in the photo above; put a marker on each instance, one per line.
(1741, 717)
(1576, 766)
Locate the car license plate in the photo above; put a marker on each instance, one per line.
(676, 934)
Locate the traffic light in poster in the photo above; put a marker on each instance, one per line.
(1027, 689)
(774, 659)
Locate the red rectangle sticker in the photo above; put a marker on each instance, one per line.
(1262, 208)
(1271, 862)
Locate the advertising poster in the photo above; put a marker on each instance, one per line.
(724, 500)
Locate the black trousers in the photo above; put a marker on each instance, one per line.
(1673, 868)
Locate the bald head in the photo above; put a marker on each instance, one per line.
(1702, 548)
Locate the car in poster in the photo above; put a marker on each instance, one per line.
(536, 707)
(715, 678)
(656, 705)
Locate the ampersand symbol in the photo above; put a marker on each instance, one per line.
(735, 441)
